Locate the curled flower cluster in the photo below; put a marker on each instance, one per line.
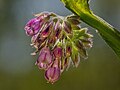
(60, 41)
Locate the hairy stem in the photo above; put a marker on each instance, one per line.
(108, 32)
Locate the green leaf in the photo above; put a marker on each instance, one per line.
(107, 32)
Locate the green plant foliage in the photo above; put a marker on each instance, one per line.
(107, 32)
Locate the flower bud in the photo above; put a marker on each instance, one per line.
(65, 63)
(35, 24)
(46, 30)
(87, 43)
(76, 60)
(81, 49)
(57, 52)
(52, 74)
(67, 27)
(58, 32)
(75, 20)
(32, 27)
(44, 59)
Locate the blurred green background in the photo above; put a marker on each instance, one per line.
(101, 71)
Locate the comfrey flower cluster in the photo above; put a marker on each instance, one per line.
(60, 41)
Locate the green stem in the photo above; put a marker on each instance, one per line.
(108, 33)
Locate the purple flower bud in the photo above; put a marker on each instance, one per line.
(57, 29)
(33, 26)
(52, 74)
(44, 59)
(57, 33)
(57, 52)
(46, 30)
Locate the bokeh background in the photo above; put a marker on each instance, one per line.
(101, 71)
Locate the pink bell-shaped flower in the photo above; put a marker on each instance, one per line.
(44, 59)
(33, 26)
(52, 74)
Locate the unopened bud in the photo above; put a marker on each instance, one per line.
(67, 27)
(57, 52)
(44, 59)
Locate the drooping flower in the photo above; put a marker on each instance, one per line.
(52, 74)
(32, 27)
(44, 59)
